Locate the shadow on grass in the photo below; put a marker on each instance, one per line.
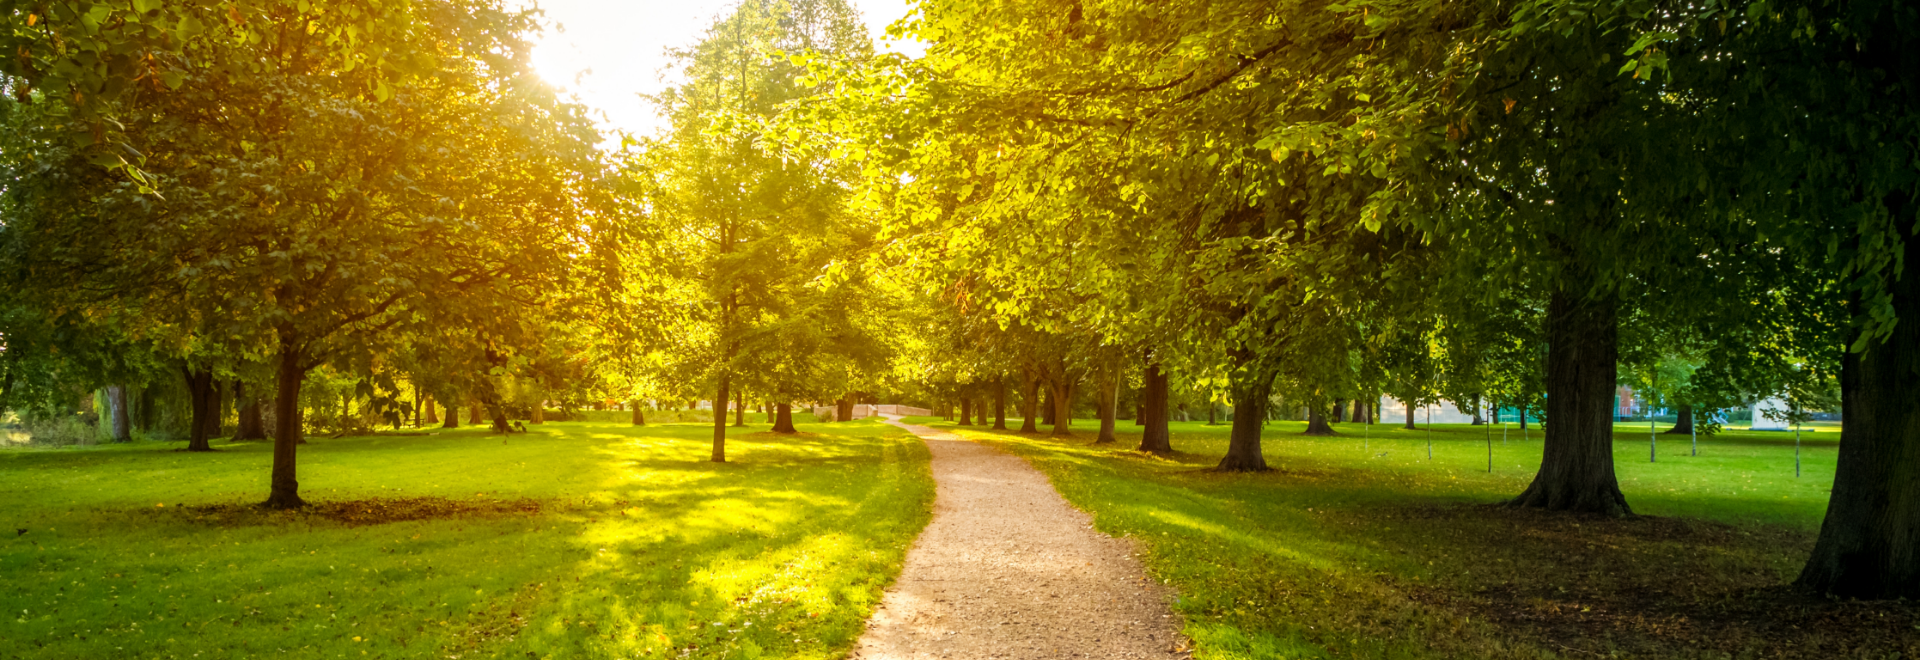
(1345, 554)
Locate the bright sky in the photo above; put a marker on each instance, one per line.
(612, 50)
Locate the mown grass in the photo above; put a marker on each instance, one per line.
(578, 540)
(1360, 546)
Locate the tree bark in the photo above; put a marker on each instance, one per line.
(1156, 437)
(121, 421)
(1339, 414)
(428, 418)
(783, 418)
(200, 395)
(1062, 395)
(1317, 423)
(289, 374)
(453, 414)
(1049, 412)
(740, 408)
(966, 412)
(720, 420)
(490, 400)
(539, 413)
(1409, 405)
(639, 416)
(1869, 545)
(476, 415)
(252, 427)
(1477, 419)
(1684, 425)
(1000, 404)
(1250, 393)
(1109, 404)
(1029, 404)
(1576, 468)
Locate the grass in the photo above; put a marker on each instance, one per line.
(1359, 546)
(578, 540)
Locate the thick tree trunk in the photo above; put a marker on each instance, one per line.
(966, 412)
(1684, 424)
(783, 418)
(1410, 425)
(1062, 395)
(289, 373)
(428, 418)
(844, 411)
(1362, 413)
(1029, 404)
(740, 408)
(1869, 545)
(1000, 404)
(1250, 394)
(496, 410)
(200, 395)
(120, 421)
(639, 416)
(144, 418)
(1576, 469)
(1109, 404)
(1317, 423)
(453, 414)
(1477, 419)
(539, 413)
(1048, 407)
(1156, 437)
(1339, 412)
(720, 420)
(476, 415)
(1523, 418)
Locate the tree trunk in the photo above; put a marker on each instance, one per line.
(720, 420)
(122, 421)
(200, 395)
(1339, 414)
(144, 419)
(252, 427)
(1109, 404)
(1156, 437)
(783, 418)
(539, 413)
(1000, 404)
(1029, 404)
(1684, 425)
(453, 414)
(476, 415)
(490, 400)
(1869, 545)
(1477, 419)
(844, 411)
(1213, 410)
(1250, 394)
(1523, 418)
(1062, 395)
(1048, 409)
(284, 489)
(1317, 423)
(740, 408)
(1576, 468)
(966, 412)
(639, 416)
(428, 418)
(1410, 425)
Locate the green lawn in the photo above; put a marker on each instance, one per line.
(578, 540)
(1361, 546)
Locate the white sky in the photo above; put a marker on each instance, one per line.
(611, 50)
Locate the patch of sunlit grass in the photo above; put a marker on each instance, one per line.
(639, 547)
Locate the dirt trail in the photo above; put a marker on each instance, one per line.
(1007, 569)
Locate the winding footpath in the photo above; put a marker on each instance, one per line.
(1007, 569)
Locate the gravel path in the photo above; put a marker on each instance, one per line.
(1007, 569)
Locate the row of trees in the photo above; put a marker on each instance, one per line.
(1471, 201)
